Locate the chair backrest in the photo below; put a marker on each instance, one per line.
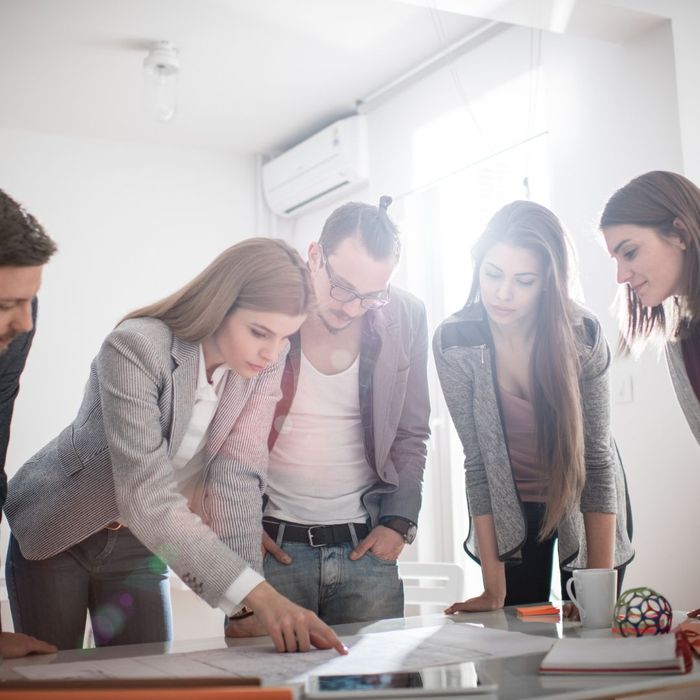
(436, 583)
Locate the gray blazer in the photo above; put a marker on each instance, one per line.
(463, 351)
(394, 403)
(684, 391)
(113, 462)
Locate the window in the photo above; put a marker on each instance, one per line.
(440, 220)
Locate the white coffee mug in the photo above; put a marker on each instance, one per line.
(596, 593)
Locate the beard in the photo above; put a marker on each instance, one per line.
(7, 340)
(333, 330)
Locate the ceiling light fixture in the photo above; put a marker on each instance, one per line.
(161, 67)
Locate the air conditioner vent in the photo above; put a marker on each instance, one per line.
(325, 167)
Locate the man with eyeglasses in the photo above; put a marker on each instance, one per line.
(348, 442)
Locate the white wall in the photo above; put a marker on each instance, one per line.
(132, 222)
(612, 112)
(685, 23)
(685, 17)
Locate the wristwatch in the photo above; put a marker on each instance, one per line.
(406, 528)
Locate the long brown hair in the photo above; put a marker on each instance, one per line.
(262, 274)
(670, 204)
(554, 364)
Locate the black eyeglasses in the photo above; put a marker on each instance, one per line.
(345, 295)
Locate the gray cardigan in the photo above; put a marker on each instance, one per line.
(114, 462)
(464, 356)
(684, 391)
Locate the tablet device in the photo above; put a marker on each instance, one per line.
(455, 679)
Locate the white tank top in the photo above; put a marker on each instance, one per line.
(318, 470)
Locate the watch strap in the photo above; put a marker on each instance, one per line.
(400, 525)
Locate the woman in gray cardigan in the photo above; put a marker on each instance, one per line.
(524, 371)
(652, 229)
(166, 464)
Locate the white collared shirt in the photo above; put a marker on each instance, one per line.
(191, 458)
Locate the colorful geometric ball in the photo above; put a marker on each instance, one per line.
(641, 611)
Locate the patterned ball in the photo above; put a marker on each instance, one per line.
(640, 611)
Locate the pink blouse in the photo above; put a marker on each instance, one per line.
(521, 436)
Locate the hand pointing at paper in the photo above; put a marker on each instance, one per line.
(291, 627)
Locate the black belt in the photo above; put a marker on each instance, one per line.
(315, 535)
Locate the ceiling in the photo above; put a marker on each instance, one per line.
(256, 75)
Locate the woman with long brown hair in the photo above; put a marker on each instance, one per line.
(165, 465)
(524, 371)
(652, 229)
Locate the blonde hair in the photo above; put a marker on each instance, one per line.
(261, 274)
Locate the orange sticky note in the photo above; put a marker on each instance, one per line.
(530, 610)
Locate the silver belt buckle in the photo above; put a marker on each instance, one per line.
(310, 535)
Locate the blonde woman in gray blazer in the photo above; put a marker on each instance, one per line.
(165, 465)
(524, 371)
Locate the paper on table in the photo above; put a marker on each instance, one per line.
(166, 666)
(395, 650)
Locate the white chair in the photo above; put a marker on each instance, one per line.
(431, 583)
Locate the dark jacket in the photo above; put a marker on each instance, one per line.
(684, 390)
(12, 363)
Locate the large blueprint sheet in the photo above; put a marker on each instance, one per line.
(395, 650)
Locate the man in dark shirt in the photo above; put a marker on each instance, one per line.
(24, 250)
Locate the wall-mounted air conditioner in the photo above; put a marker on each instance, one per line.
(324, 167)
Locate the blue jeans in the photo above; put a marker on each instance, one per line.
(325, 581)
(110, 574)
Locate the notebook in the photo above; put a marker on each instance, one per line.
(667, 653)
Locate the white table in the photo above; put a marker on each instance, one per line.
(517, 677)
